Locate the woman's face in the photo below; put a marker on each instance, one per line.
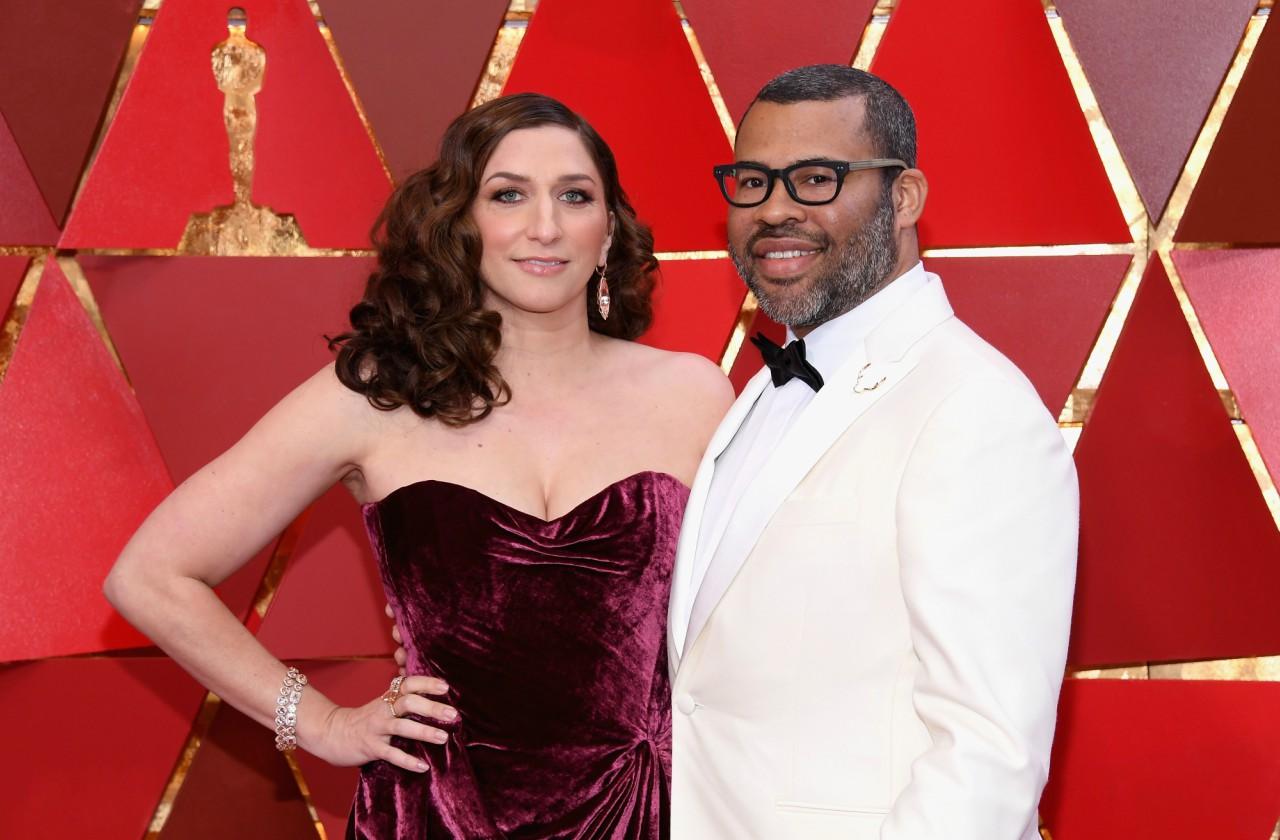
(543, 221)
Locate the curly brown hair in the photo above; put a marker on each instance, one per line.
(421, 337)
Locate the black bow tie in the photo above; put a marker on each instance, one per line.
(787, 363)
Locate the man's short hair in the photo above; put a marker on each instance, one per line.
(889, 120)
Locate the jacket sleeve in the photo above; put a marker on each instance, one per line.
(988, 518)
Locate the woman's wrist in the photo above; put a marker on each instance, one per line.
(313, 718)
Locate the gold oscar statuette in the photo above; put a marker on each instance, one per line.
(242, 227)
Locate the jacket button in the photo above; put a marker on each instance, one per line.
(685, 704)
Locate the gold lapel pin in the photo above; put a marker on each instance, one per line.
(859, 388)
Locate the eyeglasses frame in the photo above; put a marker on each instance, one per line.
(841, 168)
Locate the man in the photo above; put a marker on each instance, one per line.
(872, 595)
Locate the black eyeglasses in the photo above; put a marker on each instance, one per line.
(810, 182)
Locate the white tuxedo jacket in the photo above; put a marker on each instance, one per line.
(887, 660)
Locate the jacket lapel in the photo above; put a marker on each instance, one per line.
(871, 371)
(683, 585)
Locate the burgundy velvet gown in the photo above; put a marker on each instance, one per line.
(552, 638)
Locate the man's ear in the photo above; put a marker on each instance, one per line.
(910, 190)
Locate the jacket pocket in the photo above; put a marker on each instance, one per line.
(818, 808)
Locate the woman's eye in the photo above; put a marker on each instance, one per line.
(507, 196)
(575, 197)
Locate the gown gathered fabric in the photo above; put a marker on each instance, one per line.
(552, 638)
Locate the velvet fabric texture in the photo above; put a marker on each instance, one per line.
(552, 638)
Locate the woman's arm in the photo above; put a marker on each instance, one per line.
(213, 524)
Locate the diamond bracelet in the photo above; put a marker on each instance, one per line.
(287, 710)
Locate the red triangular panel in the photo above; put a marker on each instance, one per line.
(24, 217)
(80, 473)
(12, 270)
(1177, 548)
(102, 780)
(349, 684)
(211, 343)
(1004, 144)
(415, 65)
(695, 306)
(1164, 758)
(313, 157)
(67, 56)
(745, 47)
(748, 361)
(239, 785)
(1044, 313)
(1237, 198)
(1236, 294)
(1155, 71)
(625, 65)
(330, 601)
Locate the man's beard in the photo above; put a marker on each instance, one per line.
(861, 266)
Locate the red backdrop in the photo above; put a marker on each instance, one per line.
(1092, 167)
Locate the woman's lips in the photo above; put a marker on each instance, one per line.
(542, 266)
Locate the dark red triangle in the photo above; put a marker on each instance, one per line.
(1155, 72)
(80, 474)
(330, 601)
(12, 270)
(24, 217)
(1044, 313)
(165, 154)
(696, 305)
(1003, 142)
(625, 65)
(67, 56)
(1177, 548)
(1236, 294)
(239, 785)
(415, 65)
(745, 46)
(103, 779)
(1157, 758)
(1237, 198)
(211, 343)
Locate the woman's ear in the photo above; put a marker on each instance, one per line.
(608, 241)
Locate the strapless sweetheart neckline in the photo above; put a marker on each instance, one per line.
(533, 516)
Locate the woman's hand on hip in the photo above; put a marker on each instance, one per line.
(353, 735)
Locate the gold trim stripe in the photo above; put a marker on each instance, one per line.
(502, 55)
(336, 55)
(708, 78)
(80, 285)
(872, 35)
(199, 731)
(303, 788)
(1251, 669)
(674, 256)
(279, 561)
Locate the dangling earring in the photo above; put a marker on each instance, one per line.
(602, 293)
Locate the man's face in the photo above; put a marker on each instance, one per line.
(807, 264)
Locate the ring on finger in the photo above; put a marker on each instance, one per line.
(392, 695)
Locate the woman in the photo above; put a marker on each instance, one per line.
(523, 468)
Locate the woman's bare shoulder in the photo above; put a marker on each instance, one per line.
(688, 380)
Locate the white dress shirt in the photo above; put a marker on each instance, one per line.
(826, 348)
